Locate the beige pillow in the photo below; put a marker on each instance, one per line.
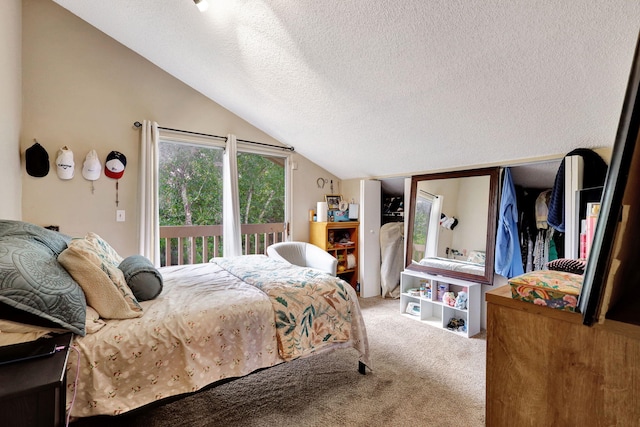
(14, 332)
(8, 338)
(100, 247)
(10, 326)
(93, 322)
(90, 264)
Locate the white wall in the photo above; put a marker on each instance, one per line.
(10, 108)
(448, 189)
(471, 232)
(306, 195)
(351, 190)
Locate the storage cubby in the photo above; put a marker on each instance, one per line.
(432, 310)
(340, 239)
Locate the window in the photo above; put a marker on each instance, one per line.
(421, 222)
(190, 184)
(190, 194)
(425, 226)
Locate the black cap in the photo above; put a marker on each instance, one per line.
(37, 160)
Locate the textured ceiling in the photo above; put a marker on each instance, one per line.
(383, 88)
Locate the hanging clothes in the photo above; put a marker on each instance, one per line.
(527, 223)
(546, 238)
(508, 257)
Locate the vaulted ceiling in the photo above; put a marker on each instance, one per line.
(384, 88)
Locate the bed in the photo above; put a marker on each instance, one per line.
(453, 265)
(209, 322)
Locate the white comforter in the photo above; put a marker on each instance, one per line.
(453, 265)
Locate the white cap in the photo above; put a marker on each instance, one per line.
(91, 168)
(64, 163)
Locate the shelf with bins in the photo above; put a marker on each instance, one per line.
(340, 239)
(429, 308)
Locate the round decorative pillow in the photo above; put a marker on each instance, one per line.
(144, 280)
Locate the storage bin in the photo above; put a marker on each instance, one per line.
(555, 289)
(340, 216)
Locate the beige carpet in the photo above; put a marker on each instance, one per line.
(422, 376)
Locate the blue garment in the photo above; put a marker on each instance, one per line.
(508, 262)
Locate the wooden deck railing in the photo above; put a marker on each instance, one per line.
(193, 244)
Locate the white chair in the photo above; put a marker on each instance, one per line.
(305, 255)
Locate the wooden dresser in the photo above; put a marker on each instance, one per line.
(545, 368)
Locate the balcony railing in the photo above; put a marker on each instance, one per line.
(194, 244)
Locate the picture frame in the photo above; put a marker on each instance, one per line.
(333, 201)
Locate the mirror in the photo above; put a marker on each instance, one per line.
(452, 224)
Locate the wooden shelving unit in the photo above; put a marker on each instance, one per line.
(340, 239)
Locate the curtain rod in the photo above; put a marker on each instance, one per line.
(426, 192)
(138, 125)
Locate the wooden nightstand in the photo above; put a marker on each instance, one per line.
(32, 392)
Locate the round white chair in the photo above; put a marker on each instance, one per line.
(305, 255)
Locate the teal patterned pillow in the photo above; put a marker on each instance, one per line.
(32, 281)
(56, 242)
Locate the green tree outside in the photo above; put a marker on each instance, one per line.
(190, 187)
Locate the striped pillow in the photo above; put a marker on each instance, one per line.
(575, 266)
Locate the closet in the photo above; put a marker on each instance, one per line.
(392, 195)
(540, 242)
(533, 183)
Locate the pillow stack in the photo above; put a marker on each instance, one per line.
(94, 265)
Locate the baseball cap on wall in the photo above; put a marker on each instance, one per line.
(37, 160)
(115, 164)
(65, 164)
(91, 168)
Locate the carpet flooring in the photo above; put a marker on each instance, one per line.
(421, 376)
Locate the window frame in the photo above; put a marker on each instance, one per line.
(242, 147)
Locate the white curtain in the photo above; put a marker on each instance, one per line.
(232, 241)
(148, 214)
(434, 229)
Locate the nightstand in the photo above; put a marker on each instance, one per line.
(32, 392)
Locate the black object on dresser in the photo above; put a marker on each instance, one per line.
(32, 392)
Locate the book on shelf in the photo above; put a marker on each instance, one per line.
(591, 219)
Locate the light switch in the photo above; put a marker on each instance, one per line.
(120, 215)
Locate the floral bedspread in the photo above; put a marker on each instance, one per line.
(312, 309)
(206, 325)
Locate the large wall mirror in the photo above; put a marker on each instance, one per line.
(452, 224)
